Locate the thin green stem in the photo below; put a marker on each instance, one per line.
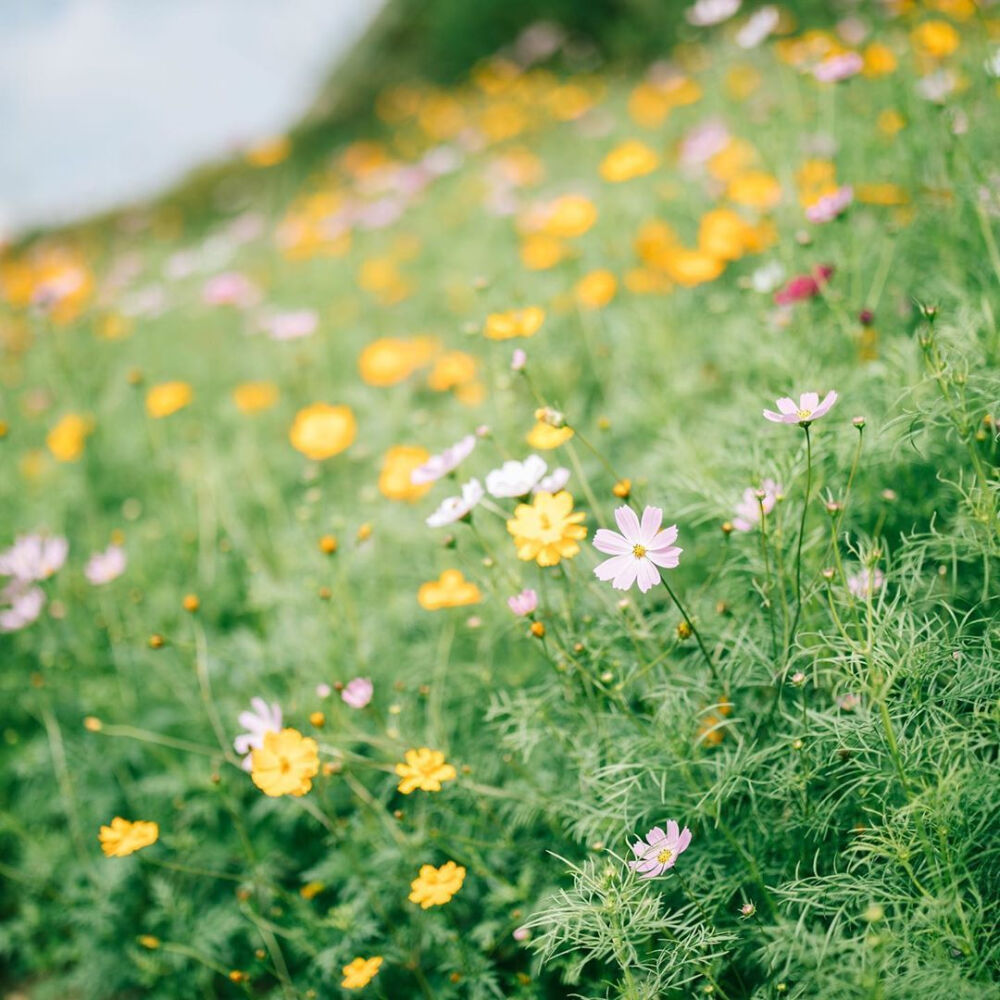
(802, 532)
(694, 632)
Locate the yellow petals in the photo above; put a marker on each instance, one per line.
(935, 39)
(514, 323)
(397, 467)
(548, 529)
(269, 152)
(253, 397)
(436, 886)
(390, 360)
(123, 837)
(66, 440)
(692, 267)
(424, 769)
(360, 972)
(449, 590)
(879, 60)
(630, 159)
(546, 437)
(596, 289)
(168, 397)
(285, 763)
(755, 189)
(321, 431)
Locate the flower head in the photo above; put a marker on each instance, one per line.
(803, 286)
(516, 479)
(839, 66)
(748, 510)
(553, 482)
(547, 530)
(123, 837)
(260, 719)
(440, 465)
(638, 551)
(285, 763)
(808, 409)
(321, 431)
(424, 769)
(708, 12)
(25, 603)
(435, 886)
(523, 603)
(360, 972)
(828, 206)
(358, 692)
(394, 480)
(866, 583)
(103, 567)
(34, 557)
(514, 323)
(659, 851)
(449, 590)
(455, 508)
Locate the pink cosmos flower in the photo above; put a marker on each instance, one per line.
(230, 289)
(703, 141)
(33, 557)
(749, 508)
(103, 567)
(838, 67)
(659, 851)
(291, 324)
(827, 208)
(518, 360)
(440, 465)
(25, 605)
(455, 508)
(758, 27)
(263, 718)
(358, 692)
(638, 550)
(866, 582)
(808, 408)
(523, 603)
(804, 286)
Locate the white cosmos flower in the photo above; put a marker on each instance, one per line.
(25, 605)
(263, 718)
(760, 25)
(33, 557)
(553, 482)
(708, 12)
(103, 567)
(455, 508)
(440, 465)
(516, 479)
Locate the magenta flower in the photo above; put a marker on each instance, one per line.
(827, 208)
(808, 409)
(440, 465)
(523, 603)
(659, 851)
(358, 692)
(749, 508)
(638, 550)
(804, 286)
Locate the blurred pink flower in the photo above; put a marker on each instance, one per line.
(638, 550)
(808, 408)
(866, 582)
(804, 286)
(24, 602)
(440, 465)
(103, 567)
(290, 324)
(838, 67)
(827, 208)
(523, 603)
(34, 557)
(749, 508)
(659, 851)
(230, 289)
(358, 692)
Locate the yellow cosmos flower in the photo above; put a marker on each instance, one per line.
(67, 438)
(252, 397)
(692, 267)
(269, 152)
(424, 769)
(452, 370)
(124, 837)
(435, 886)
(724, 234)
(322, 431)
(568, 102)
(514, 323)
(545, 437)
(547, 530)
(654, 239)
(390, 360)
(596, 289)
(569, 216)
(540, 252)
(646, 281)
(631, 159)
(394, 480)
(360, 972)
(167, 398)
(736, 157)
(449, 590)
(879, 60)
(935, 39)
(285, 764)
(755, 189)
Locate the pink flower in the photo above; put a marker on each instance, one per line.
(291, 324)
(703, 141)
(827, 208)
(804, 286)
(749, 508)
(25, 605)
(523, 603)
(660, 850)
(708, 12)
(263, 718)
(440, 465)
(358, 692)
(838, 67)
(455, 508)
(638, 550)
(866, 582)
(518, 360)
(103, 567)
(230, 289)
(33, 557)
(760, 25)
(553, 482)
(808, 409)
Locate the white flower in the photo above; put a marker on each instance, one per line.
(263, 718)
(553, 482)
(440, 465)
(761, 23)
(25, 602)
(34, 557)
(516, 479)
(455, 508)
(638, 551)
(103, 567)
(708, 12)
(768, 277)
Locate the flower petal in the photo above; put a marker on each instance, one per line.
(652, 517)
(628, 523)
(610, 542)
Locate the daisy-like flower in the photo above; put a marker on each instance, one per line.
(358, 692)
(516, 479)
(424, 769)
(435, 886)
(638, 551)
(659, 851)
(455, 508)
(123, 837)
(758, 27)
(523, 603)
(285, 763)
(34, 557)
(808, 409)
(749, 508)
(360, 972)
(103, 567)
(260, 719)
(866, 582)
(827, 208)
(440, 465)
(25, 604)
(555, 481)
(548, 529)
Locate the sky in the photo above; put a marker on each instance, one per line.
(106, 101)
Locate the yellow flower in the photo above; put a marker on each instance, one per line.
(269, 152)
(545, 437)
(252, 397)
(569, 216)
(596, 289)
(547, 529)
(724, 234)
(322, 431)
(389, 360)
(360, 972)
(935, 39)
(692, 267)
(645, 281)
(452, 370)
(881, 194)
(631, 159)
(734, 158)
(449, 590)
(394, 479)
(755, 189)
(648, 105)
(424, 769)
(514, 323)
(879, 59)
(67, 438)
(285, 764)
(890, 121)
(540, 252)
(167, 398)
(124, 837)
(435, 886)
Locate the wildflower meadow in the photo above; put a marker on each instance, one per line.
(536, 539)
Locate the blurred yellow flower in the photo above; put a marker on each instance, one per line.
(123, 837)
(452, 370)
(167, 398)
(390, 360)
(736, 157)
(692, 267)
(540, 252)
(631, 159)
(397, 466)
(881, 194)
(596, 289)
(890, 121)
(449, 590)
(569, 216)
(360, 972)
(252, 397)
(935, 39)
(436, 886)
(322, 431)
(424, 769)
(514, 323)
(269, 152)
(67, 438)
(546, 437)
(724, 233)
(754, 189)
(879, 60)
(548, 529)
(285, 763)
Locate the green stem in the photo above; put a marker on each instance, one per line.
(694, 632)
(802, 532)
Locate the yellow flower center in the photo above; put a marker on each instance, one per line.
(284, 765)
(664, 856)
(544, 522)
(639, 551)
(804, 414)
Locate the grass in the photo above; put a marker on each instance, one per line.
(832, 751)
